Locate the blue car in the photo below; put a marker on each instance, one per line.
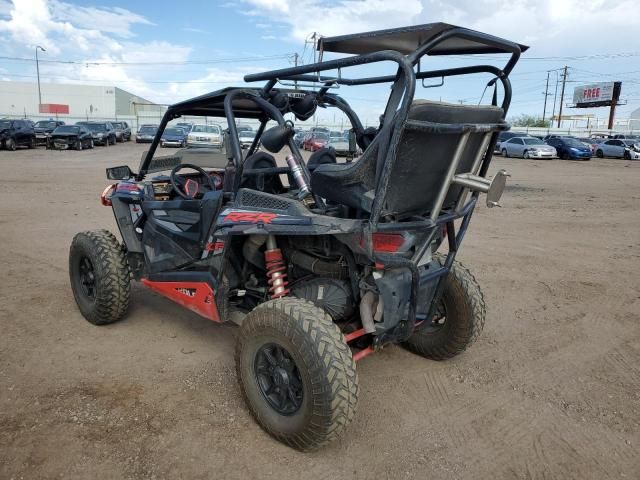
(570, 148)
(173, 137)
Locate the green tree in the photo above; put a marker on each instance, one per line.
(529, 121)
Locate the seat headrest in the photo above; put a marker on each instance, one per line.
(441, 112)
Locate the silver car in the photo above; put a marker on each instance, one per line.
(205, 136)
(619, 148)
(527, 147)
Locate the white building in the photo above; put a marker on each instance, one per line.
(18, 99)
(634, 120)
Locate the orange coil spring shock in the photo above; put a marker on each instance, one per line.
(276, 272)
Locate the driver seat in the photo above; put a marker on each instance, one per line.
(263, 182)
(421, 162)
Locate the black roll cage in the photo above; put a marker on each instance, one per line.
(396, 110)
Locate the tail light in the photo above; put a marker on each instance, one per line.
(105, 198)
(387, 242)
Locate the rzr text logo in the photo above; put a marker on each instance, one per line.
(249, 217)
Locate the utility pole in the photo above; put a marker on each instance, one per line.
(38, 47)
(546, 94)
(564, 81)
(295, 62)
(555, 97)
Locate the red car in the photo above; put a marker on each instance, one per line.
(315, 141)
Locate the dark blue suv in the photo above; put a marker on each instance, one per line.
(570, 148)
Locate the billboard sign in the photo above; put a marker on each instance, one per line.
(56, 108)
(594, 95)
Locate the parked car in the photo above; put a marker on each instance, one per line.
(625, 136)
(588, 142)
(205, 136)
(570, 148)
(618, 148)
(186, 126)
(315, 141)
(15, 133)
(123, 131)
(43, 129)
(246, 135)
(320, 129)
(146, 133)
(173, 137)
(103, 133)
(299, 137)
(526, 147)
(504, 136)
(340, 144)
(70, 136)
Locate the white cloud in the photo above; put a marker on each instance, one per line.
(70, 31)
(346, 16)
(573, 25)
(54, 24)
(214, 79)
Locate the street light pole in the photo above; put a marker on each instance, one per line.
(546, 94)
(38, 47)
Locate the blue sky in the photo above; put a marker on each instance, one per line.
(169, 51)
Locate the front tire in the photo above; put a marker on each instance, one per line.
(100, 278)
(504, 152)
(526, 154)
(10, 144)
(296, 373)
(460, 318)
(599, 154)
(79, 145)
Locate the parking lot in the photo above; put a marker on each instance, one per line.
(550, 390)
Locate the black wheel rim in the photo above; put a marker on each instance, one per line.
(278, 378)
(87, 278)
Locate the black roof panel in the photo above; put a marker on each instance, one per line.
(407, 39)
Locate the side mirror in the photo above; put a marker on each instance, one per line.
(276, 137)
(119, 173)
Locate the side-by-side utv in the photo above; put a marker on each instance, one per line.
(322, 263)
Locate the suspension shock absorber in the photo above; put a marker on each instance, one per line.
(276, 269)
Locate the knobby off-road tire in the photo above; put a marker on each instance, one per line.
(465, 312)
(323, 366)
(100, 277)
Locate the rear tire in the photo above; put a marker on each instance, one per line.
(290, 343)
(100, 278)
(463, 306)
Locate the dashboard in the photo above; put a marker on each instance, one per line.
(163, 190)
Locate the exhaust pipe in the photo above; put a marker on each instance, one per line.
(366, 311)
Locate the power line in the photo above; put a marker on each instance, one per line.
(185, 62)
(111, 80)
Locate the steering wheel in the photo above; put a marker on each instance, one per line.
(189, 188)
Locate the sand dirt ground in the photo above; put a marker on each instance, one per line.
(551, 389)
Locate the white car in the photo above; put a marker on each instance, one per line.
(619, 148)
(527, 147)
(205, 136)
